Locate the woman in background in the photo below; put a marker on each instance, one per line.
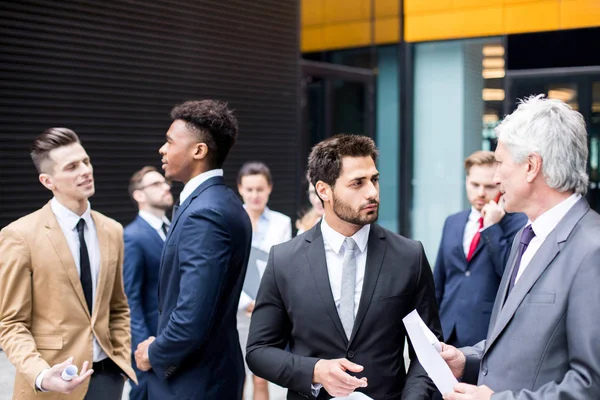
(314, 214)
(268, 229)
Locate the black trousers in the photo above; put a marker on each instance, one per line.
(107, 381)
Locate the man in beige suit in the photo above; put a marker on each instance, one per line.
(61, 285)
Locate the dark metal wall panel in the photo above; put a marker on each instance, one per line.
(112, 71)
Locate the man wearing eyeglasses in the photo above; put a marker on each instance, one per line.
(144, 240)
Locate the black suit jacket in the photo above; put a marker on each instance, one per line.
(295, 305)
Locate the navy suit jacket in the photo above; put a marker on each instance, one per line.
(196, 354)
(466, 291)
(143, 248)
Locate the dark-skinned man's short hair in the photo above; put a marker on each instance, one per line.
(213, 123)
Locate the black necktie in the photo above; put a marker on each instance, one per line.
(165, 228)
(175, 207)
(526, 237)
(85, 274)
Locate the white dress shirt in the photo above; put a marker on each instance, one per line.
(67, 220)
(471, 229)
(334, 256)
(155, 222)
(273, 228)
(197, 181)
(542, 227)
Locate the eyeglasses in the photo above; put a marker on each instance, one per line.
(155, 185)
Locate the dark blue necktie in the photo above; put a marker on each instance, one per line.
(526, 237)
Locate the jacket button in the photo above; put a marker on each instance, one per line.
(350, 355)
(484, 371)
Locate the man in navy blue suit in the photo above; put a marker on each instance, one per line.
(144, 240)
(472, 255)
(196, 353)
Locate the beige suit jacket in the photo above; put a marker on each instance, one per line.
(44, 318)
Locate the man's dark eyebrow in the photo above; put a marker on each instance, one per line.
(360, 178)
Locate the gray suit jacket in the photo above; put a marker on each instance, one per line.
(544, 343)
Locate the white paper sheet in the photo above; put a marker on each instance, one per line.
(354, 396)
(427, 347)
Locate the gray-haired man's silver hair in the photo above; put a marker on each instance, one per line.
(552, 129)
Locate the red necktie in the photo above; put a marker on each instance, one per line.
(475, 240)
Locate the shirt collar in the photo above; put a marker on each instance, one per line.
(196, 181)
(153, 220)
(336, 239)
(546, 222)
(67, 217)
(266, 215)
(474, 215)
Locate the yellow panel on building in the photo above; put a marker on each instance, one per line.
(579, 14)
(337, 11)
(353, 34)
(312, 39)
(457, 24)
(339, 24)
(532, 16)
(387, 30)
(311, 13)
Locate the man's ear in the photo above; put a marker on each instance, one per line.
(139, 196)
(534, 166)
(323, 191)
(200, 151)
(46, 180)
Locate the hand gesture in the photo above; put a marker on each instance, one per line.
(53, 381)
(141, 355)
(332, 375)
(455, 359)
(492, 213)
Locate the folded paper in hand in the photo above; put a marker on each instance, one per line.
(354, 396)
(427, 347)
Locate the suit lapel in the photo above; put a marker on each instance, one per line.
(315, 253)
(457, 240)
(105, 256)
(144, 225)
(376, 247)
(203, 186)
(61, 246)
(539, 263)
(503, 287)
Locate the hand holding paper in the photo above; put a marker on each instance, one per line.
(425, 343)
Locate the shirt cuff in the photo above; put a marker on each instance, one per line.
(40, 378)
(245, 301)
(315, 388)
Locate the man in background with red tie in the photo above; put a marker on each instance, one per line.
(472, 255)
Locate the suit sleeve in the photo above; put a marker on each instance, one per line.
(204, 250)
(16, 306)
(439, 271)
(473, 356)
(418, 384)
(499, 238)
(133, 276)
(120, 331)
(582, 380)
(270, 331)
